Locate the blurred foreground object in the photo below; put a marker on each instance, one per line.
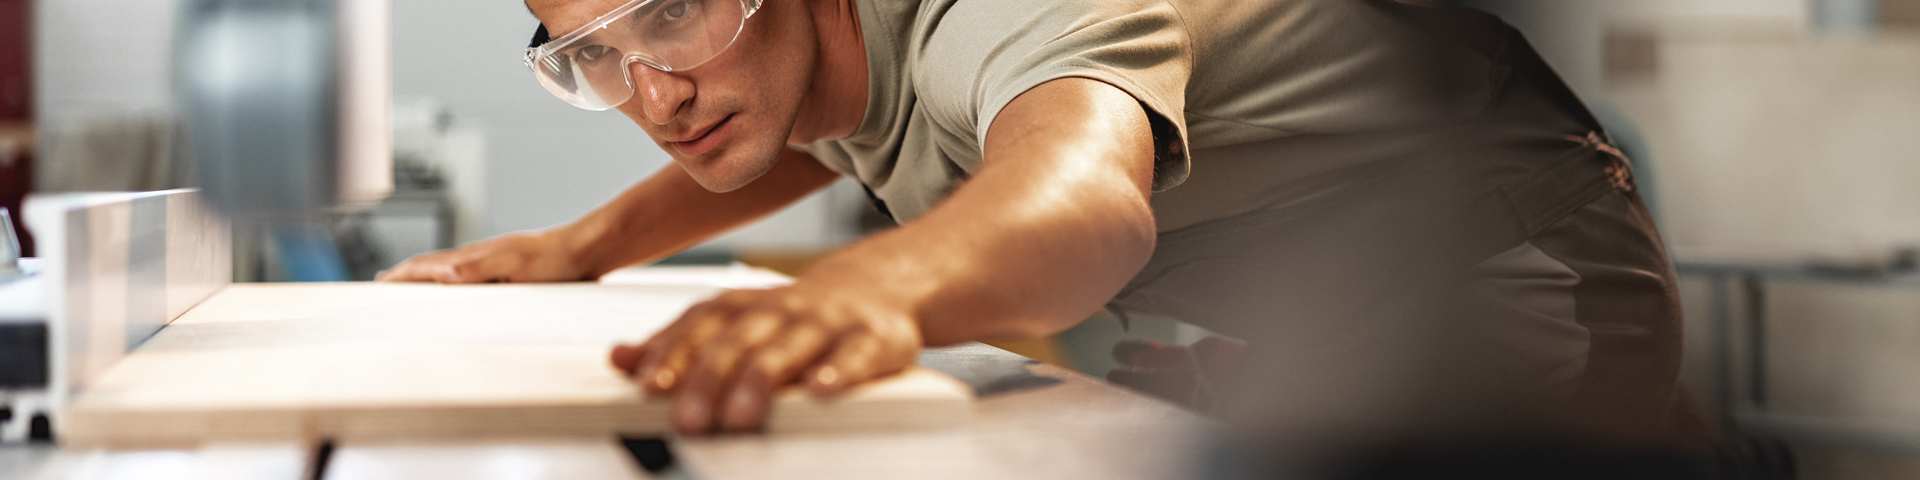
(285, 104)
(1190, 374)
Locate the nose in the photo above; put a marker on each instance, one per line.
(662, 94)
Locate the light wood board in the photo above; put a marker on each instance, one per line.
(404, 361)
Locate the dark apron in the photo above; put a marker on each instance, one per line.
(1346, 299)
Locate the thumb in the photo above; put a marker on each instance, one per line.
(627, 357)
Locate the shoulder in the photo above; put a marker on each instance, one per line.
(981, 51)
(978, 22)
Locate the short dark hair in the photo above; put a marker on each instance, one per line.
(540, 37)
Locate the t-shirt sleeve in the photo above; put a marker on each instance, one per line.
(983, 53)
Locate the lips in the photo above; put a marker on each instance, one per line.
(708, 139)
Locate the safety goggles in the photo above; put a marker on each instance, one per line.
(588, 67)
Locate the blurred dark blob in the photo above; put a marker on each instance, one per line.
(652, 453)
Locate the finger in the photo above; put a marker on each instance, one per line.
(858, 357)
(411, 270)
(698, 399)
(478, 267)
(777, 363)
(655, 348)
(627, 357)
(671, 345)
(670, 354)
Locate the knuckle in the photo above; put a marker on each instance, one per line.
(717, 361)
(794, 303)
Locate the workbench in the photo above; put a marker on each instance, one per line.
(1030, 420)
(1025, 419)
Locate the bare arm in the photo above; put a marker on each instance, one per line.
(1055, 222)
(1051, 226)
(658, 216)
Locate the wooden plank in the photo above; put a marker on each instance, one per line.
(401, 361)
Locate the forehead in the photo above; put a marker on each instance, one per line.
(563, 16)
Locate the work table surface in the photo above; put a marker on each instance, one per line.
(1030, 420)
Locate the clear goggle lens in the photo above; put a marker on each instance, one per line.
(588, 68)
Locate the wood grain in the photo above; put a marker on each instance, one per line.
(358, 361)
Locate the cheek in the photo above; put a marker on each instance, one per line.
(632, 111)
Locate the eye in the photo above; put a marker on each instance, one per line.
(592, 53)
(675, 11)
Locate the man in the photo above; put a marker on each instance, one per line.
(1388, 201)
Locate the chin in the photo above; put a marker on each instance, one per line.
(730, 170)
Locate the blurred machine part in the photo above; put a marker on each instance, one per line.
(114, 268)
(429, 137)
(439, 197)
(439, 192)
(285, 104)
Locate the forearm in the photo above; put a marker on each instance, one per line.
(669, 212)
(972, 273)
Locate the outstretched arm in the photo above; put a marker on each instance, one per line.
(1053, 224)
(663, 214)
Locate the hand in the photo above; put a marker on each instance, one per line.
(726, 357)
(514, 257)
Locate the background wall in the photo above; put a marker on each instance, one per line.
(16, 24)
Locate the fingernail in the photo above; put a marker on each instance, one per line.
(827, 375)
(663, 380)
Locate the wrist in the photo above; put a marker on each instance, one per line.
(582, 242)
(881, 278)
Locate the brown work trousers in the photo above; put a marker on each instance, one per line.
(1508, 282)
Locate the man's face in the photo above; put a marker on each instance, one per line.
(727, 120)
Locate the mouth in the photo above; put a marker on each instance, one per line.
(706, 140)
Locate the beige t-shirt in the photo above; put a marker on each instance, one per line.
(1245, 95)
